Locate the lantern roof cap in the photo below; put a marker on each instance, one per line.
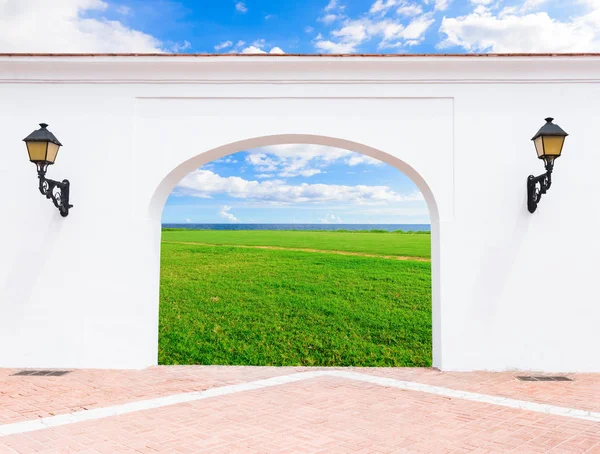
(550, 129)
(42, 135)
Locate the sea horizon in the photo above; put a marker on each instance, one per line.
(283, 226)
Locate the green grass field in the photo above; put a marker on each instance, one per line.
(244, 306)
(403, 244)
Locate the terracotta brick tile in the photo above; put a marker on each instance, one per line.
(325, 414)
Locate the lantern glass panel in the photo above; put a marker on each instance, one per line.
(37, 151)
(553, 145)
(539, 146)
(52, 152)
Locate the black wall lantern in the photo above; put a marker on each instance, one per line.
(43, 147)
(549, 142)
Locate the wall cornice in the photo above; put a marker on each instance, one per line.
(299, 69)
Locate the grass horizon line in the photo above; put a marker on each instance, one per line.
(413, 232)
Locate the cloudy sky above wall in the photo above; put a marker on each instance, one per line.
(307, 26)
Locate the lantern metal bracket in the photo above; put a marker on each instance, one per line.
(537, 186)
(58, 191)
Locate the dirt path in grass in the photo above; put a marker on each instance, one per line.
(322, 251)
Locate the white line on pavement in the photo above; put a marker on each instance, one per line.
(174, 399)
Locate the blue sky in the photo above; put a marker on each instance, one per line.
(370, 26)
(298, 183)
(307, 26)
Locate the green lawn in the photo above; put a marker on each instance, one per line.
(401, 244)
(236, 306)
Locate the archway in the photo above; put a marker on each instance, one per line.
(175, 176)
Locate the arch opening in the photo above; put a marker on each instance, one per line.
(171, 180)
(169, 183)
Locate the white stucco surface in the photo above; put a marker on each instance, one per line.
(511, 290)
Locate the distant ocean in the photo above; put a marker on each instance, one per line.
(388, 227)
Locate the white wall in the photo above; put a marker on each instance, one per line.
(510, 289)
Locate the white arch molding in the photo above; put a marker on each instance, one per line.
(510, 290)
(173, 178)
(177, 174)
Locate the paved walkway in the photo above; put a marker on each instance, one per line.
(264, 409)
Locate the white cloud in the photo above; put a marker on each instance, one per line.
(409, 213)
(188, 221)
(328, 18)
(125, 10)
(223, 45)
(205, 184)
(354, 31)
(531, 5)
(292, 160)
(410, 10)
(64, 26)
(269, 16)
(285, 166)
(404, 7)
(257, 48)
(306, 151)
(309, 29)
(333, 12)
(407, 28)
(511, 31)
(333, 4)
(262, 162)
(335, 48)
(383, 5)
(253, 50)
(237, 48)
(442, 5)
(241, 7)
(417, 27)
(390, 32)
(362, 159)
(331, 219)
(178, 47)
(293, 172)
(227, 160)
(224, 212)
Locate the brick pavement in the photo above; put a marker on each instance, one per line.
(322, 414)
